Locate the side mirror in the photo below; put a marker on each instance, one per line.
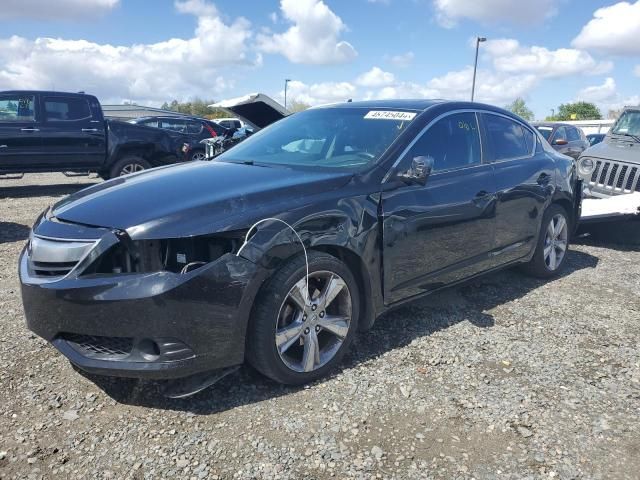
(560, 141)
(420, 170)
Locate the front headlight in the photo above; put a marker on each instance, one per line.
(586, 166)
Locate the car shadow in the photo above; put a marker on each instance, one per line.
(622, 236)
(397, 328)
(52, 190)
(13, 232)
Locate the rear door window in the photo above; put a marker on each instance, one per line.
(194, 127)
(506, 138)
(175, 125)
(17, 108)
(66, 109)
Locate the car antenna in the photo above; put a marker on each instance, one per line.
(306, 258)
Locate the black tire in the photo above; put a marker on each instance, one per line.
(261, 351)
(130, 162)
(538, 266)
(197, 155)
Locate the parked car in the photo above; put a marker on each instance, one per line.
(199, 267)
(230, 123)
(193, 128)
(66, 132)
(612, 167)
(595, 138)
(564, 138)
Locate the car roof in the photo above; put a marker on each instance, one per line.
(45, 92)
(171, 117)
(551, 124)
(402, 104)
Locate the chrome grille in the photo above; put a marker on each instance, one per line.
(55, 258)
(615, 177)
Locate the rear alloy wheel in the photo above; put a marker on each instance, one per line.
(300, 332)
(129, 165)
(553, 243)
(198, 155)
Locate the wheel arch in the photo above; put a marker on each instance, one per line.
(361, 273)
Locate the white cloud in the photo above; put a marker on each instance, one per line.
(491, 87)
(510, 57)
(636, 71)
(606, 96)
(314, 36)
(614, 29)
(320, 93)
(599, 93)
(57, 10)
(449, 12)
(147, 73)
(374, 78)
(402, 60)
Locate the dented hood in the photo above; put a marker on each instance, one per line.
(257, 109)
(194, 198)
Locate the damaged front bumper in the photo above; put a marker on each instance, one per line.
(159, 324)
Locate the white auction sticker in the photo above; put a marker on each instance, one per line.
(389, 115)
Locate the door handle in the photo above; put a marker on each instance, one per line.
(29, 129)
(89, 129)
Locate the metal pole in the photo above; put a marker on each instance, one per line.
(286, 82)
(475, 66)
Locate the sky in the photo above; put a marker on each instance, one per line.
(546, 51)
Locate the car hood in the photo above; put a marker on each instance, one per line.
(195, 198)
(257, 109)
(613, 149)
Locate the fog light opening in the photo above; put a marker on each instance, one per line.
(149, 350)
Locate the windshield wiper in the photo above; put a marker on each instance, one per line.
(635, 137)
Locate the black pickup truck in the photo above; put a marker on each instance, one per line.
(66, 132)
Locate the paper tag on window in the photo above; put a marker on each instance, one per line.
(390, 115)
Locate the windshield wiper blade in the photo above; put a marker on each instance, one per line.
(635, 137)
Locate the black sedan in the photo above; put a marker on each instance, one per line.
(286, 245)
(194, 129)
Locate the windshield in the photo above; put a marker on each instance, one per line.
(628, 123)
(344, 138)
(545, 131)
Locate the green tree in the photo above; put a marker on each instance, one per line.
(519, 107)
(578, 111)
(196, 107)
(296, 106)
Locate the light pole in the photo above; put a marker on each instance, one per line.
(479, 40)
(286, 82)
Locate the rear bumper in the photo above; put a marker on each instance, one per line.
(156, 325)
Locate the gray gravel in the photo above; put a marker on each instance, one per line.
(506, 377)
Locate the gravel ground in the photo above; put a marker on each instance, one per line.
(506, 377)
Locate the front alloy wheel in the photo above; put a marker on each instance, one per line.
(309, 334)
(298, 332)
